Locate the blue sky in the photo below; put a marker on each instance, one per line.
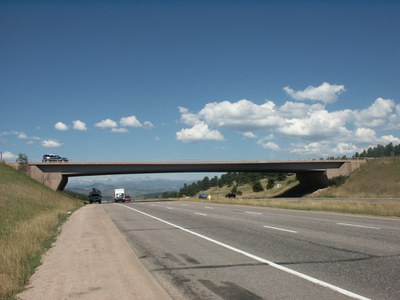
(190, 81)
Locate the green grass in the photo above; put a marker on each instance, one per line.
(30, 215)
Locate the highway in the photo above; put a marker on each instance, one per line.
(213, 251)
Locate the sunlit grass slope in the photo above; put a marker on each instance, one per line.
(30, 214)
(379, 178)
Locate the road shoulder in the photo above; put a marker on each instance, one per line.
(91, 260)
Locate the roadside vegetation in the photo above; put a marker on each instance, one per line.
(30, 215)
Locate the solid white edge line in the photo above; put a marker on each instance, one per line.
(355, 225)
(281, 229)
(257, 258)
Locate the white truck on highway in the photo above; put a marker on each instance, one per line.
(119, 195)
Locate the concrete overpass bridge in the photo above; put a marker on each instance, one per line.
(315, 173)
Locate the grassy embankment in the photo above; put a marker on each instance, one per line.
(30, 215)
(379, 178)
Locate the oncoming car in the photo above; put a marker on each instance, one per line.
(53, 158)
(203, 196)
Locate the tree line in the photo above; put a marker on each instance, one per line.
(230, 179)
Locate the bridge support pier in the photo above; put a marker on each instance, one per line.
(55, 181)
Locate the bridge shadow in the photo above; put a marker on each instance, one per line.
(297, 191)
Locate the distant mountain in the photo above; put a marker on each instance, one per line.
(133, 186)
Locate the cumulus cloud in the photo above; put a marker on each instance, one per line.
(8, 156)
(326, 92)
(198, 132)
(310, 127)
(51, 144)
(79, 125)
(61, 126)
(377, 114)
(271, 146)
(130, 121)
(106, 124)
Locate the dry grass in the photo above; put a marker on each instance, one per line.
(29, 217)
(378, 208)
(379, 178)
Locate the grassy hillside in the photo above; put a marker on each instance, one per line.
(30, 214)
(379, 178)
(247, 190)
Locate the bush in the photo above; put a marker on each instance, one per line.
(257, 186)
(338, 180)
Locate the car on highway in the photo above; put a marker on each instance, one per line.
(128, 198)
(203, 196)
(54, 158)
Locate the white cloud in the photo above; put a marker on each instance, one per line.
(318, 124)
(22, 135)
(61, 126)
(365, 135)
(130, 121)
(107, 123)
(377, 114)
(242, 115)
(271, 146)
(79, 125)
(148, 124)
(119, 130)
(326, 92)
(187, 117)
(198, 132)
(8, 156)
(51, 144)
(344, 149)
(386, 139)
(249, 135)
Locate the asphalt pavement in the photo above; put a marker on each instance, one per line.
(213, 251)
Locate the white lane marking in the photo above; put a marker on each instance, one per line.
(281, 229)
(152, 205)
(253, 213)
(197, 213)
(208, 207)
(183, 204)
(355, 225)
(257, 258)
(169, 207)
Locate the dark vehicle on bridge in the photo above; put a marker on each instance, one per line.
(95, 196)
(54, 158)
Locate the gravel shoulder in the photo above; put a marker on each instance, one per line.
(91, 260)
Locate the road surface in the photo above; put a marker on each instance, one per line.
(212, 251)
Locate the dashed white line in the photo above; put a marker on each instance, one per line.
(208, 207)
(197, 213)
(169, 207)
(183, 204)
(253, 213)
(356, 225)
(281, 229)
(257, 258)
